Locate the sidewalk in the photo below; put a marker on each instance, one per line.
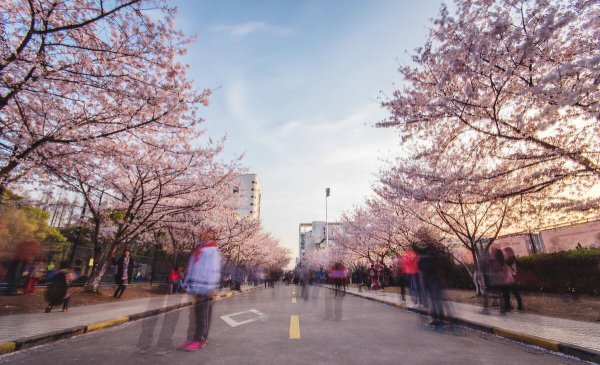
(20, 331)
(575, 338)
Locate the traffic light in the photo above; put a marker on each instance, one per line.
(327, 192)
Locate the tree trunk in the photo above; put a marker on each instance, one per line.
(478, 274)
(101, 263)
(94, 281)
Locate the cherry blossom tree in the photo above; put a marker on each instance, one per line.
(438, 196)
(362, 238)
(516, 80)
(77, 75)
(263, 251)
(130, 196)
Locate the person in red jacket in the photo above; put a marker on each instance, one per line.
(410, 265)
(175, 280)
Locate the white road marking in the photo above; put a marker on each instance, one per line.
(233, 323)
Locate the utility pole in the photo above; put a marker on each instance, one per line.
(327, 193)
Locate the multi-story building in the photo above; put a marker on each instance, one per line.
(251, 194)
(312, 235)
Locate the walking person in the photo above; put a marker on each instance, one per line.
(38, 270)
(124, 272)
(58, 291)
(175, 280)
(512, 286)
(498, 279)
(410, 265)
(202, 279)
(360, 277)
(430, 260)
(400, 276)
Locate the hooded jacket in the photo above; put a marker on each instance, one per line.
(204, 269)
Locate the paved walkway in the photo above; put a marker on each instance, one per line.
(20, 326)
(582, 334)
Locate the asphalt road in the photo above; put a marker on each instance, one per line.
(255, 328)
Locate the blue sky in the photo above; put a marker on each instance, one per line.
(296, 85)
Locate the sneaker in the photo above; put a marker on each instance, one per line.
(202, 344)
(184, 345)
(195, 345)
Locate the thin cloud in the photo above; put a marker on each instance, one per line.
(245, 29)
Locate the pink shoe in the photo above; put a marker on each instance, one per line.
(184, 345)
(193, 346)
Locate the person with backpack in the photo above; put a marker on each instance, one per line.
(58, 291)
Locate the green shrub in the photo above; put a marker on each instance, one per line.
(574, 272)
(568, 272)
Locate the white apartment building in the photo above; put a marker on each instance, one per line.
(312, 235)
(250, 191)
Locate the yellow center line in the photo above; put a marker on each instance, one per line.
(294, 328)
(293, 300)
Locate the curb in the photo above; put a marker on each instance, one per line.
(105, 324)
(6, 347)
(554, 346)
(29, 342)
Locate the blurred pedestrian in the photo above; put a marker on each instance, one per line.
(38, 270)
(410, 265)
(371, 277)
(512, 285)
(400, 276)
(338, 276)
(175, 280)
(498, 280)
(26, 251)
(202, 279)
(124, 272)
(430, 270)
(58, 291)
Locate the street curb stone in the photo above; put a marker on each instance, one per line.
(105, 324)
(564, 348)
(29, 342)
(6, 347)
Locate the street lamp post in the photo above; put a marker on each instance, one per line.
(327, 193)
